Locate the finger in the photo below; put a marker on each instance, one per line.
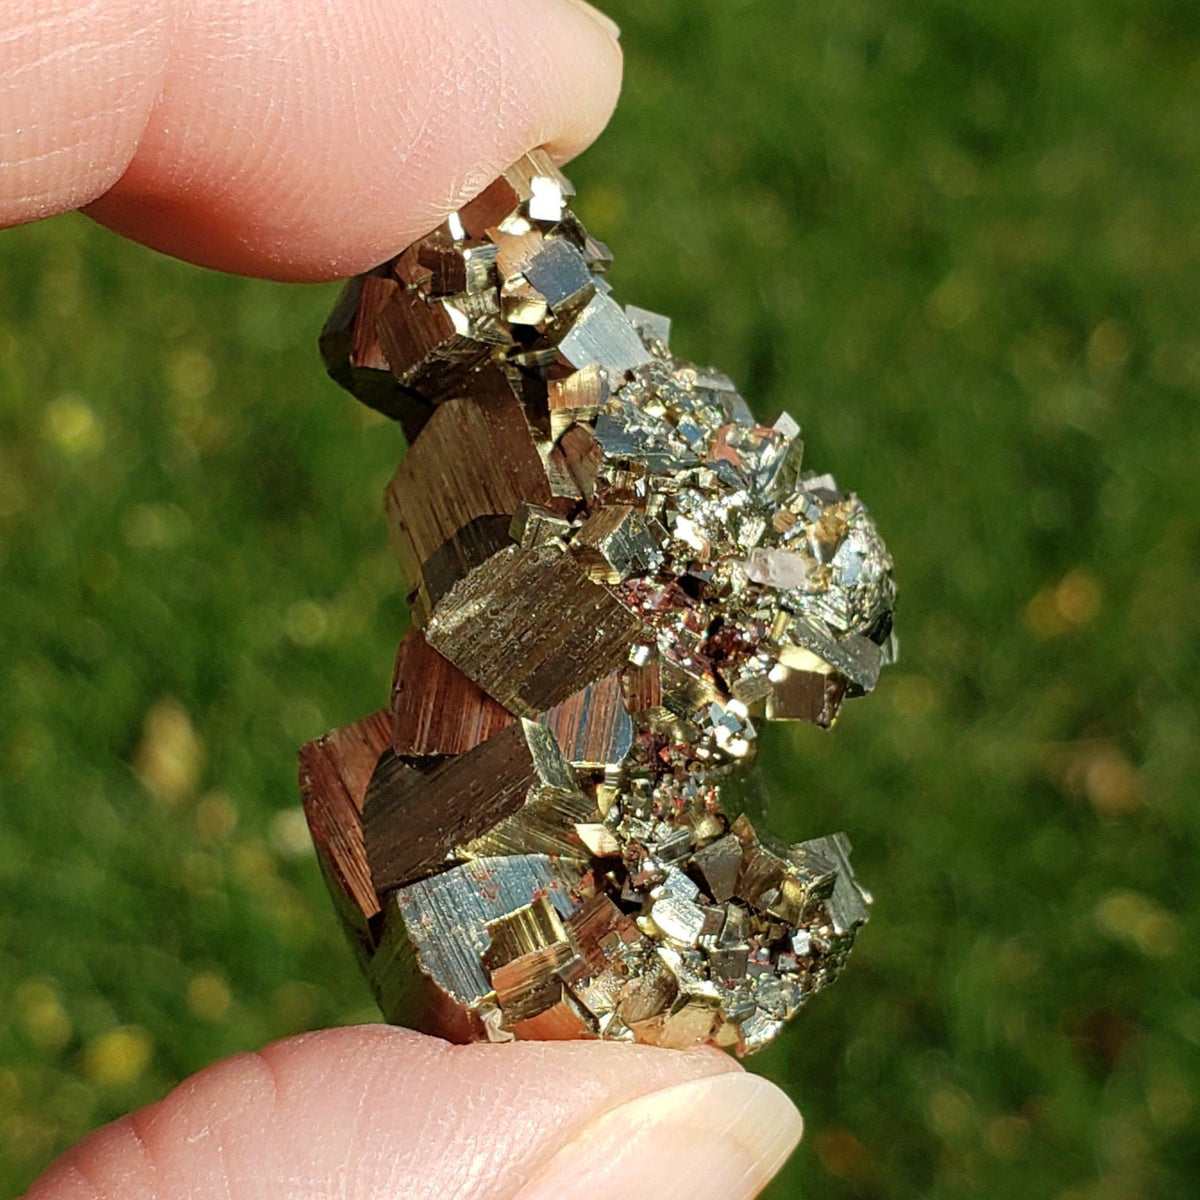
(380, 1112)
(297, 139)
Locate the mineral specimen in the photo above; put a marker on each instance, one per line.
(614, 569)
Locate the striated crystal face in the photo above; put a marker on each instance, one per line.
(614, 573)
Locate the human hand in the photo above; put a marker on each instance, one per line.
(292, 139)
(375, 1111)
(296, 140)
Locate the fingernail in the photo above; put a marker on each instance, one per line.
(603, 18)
(720, 1138)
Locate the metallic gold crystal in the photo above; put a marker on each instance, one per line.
(420, 815)
(569, 630)
(616, 569)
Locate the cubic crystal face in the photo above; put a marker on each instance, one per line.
(614, 571)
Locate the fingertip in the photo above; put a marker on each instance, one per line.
(352, 138)
(723, 1135)
(370, 1111)
(584, 114)
(610, 26)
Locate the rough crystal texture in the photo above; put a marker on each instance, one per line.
(615, 570)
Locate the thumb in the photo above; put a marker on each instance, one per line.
(375, 1111)
(297, 139)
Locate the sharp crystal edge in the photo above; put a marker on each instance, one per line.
(614, 571)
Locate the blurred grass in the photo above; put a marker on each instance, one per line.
(961, 243)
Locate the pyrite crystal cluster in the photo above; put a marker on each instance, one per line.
(614, 568)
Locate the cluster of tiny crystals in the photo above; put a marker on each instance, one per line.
(615, 570)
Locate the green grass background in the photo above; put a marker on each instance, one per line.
(961, 242)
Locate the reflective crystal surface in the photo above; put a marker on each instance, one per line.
(615, 573)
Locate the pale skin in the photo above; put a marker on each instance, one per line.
(307, 140)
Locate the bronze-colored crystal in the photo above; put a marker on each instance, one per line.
(598, 922)
(334, 773)
(577, 397)
(533, 183)
(813, 696)
(528, 950)
(426, 342)
(452, 499)
(533, 525)
(642, 684)
(720, 863)
(353, 357)
(529, 986)
(574, 462)
(436, 709)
